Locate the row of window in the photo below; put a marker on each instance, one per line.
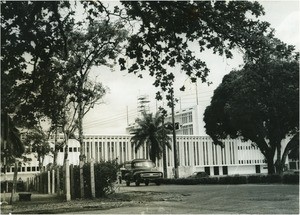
(247, 147)
(101, 138)
(251, 161)
(187, 117)
(217, 170)
(22, 169)
(187, 130)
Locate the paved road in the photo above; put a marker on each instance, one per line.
(208, 199)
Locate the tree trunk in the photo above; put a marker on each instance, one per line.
(55, 152)
(270, 163)
(165, 162)
(292, 145)
(40, 164)
(80, 136)
(278, 160)
(66, 139)
(14, 189)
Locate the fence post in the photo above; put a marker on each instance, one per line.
(57, 181)
(67, 182)
(27, 185)
(72, 181)
(53, 181)
(81, 163)
(49, 182)
(92, 179)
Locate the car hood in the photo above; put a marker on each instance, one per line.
(146, 170)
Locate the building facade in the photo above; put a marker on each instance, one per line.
(189, 121)
(195, 153)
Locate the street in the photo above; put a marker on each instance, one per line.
(207, 199)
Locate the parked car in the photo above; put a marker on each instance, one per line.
(199, 175)
(140, 171)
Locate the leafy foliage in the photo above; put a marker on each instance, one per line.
(11, 145)
(105, 177)
(30, 33)
(37, 141)
(258, 103)
(174, 33)
(152, 133)
(236, 179)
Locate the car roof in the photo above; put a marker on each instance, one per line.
(136, 160)
(140, 159)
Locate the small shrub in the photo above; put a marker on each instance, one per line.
(254, 179)
(290, 179)
(20, 186)
(269, 179)
(209, 180)
(105, 176)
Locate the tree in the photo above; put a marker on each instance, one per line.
(169, 31)
(259, 103)
(93, 44)
(151, 131)
(37, 141)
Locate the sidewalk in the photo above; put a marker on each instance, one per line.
(51, 203)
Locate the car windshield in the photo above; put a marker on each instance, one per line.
(148, 164)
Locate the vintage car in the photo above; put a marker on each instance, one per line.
(140, 171)
(199, 175)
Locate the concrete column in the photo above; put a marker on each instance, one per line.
(92, 179)
(105, 148)
(37, 183)
(49, 182)
(27, 184)
(53, 181)
(67, 182)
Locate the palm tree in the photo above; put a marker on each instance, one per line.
(153, 132)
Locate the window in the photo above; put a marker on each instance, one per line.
(257, 168)
(70, 149)
(187, 130)
(23, 168)
(33, 168)
(207, 170)
(75, 149)
(216, 170)
(28, 169)
(225, 170)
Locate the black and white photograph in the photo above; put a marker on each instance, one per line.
(150, 107)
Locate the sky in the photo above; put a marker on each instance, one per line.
(119, 106)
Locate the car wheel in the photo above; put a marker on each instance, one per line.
(127, 183)
(157, 183)
(137, 183)
(147, 183)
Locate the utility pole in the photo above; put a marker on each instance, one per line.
(174, 138)
(127, 115)
(197, 94)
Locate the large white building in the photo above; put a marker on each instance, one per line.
(196, 153)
